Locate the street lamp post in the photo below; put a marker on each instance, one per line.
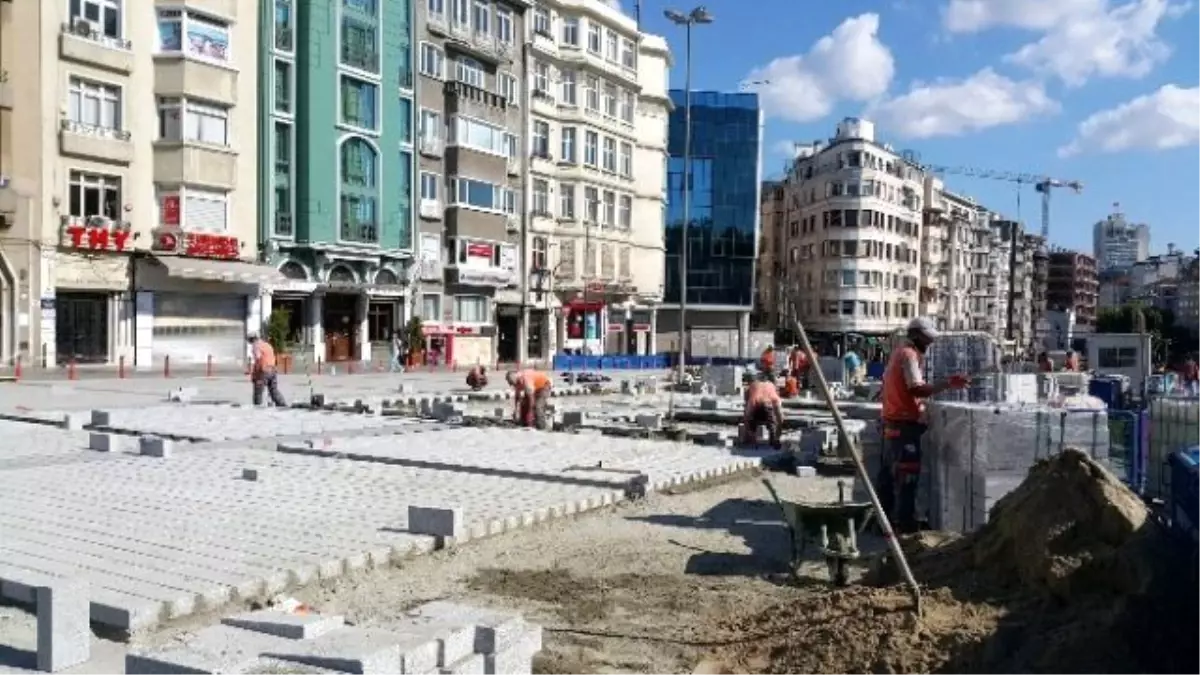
(699, 15)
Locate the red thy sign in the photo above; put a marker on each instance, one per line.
(98, 238)
(197, 245)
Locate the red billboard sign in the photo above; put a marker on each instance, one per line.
(170, 210)
(96, 237)
(197, 244)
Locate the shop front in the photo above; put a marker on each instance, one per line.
(196, 299)
(458, 345)
(82, 321)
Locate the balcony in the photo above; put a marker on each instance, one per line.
(430, 209)
(285, 39)
(359, 232)
(6, 92)
(472, 224)
(82, 42)
(96, 143)
(431, 147)
(186, 163)
(177, 76)
(483, 46)
(437, 24)
(489, 277)
(471, 100)
(284, 225)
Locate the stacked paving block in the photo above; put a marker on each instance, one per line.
(972, 354)
(438, 637)
(725, 380)
(977, 453)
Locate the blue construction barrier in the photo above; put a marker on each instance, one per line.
(1185, 493)
(576, 362)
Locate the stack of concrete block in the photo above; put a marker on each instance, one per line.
(439, 637)
(964, 354)
(725, 380)
(1017, 388)
(975, 454)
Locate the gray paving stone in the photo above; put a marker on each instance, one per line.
(434, 521)
(291, 625)
(64, 634)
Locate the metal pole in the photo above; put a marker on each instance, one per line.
(687, 198)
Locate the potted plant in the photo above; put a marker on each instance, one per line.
(414, 336)
(277, 332)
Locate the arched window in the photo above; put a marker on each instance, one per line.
(342, 275)
(386, 278)
(293, 270)
(359, 191)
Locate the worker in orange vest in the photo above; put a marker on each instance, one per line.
(1072, 362)
(791, 386)
(766, 362)
(531, 391)
(904, 394)
(263, 373)
(799, 364)
(477, 378)
(763, 408)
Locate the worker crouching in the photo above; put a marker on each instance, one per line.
(477, 378)
(763, 408)
(531, 393)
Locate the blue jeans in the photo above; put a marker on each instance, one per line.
(396, 365)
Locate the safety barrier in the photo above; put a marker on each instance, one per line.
(574, 362)
(1127, 440)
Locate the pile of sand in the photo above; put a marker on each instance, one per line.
(1069, 575)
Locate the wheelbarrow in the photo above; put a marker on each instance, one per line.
(833, 527)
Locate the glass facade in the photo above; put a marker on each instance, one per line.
(725, 170)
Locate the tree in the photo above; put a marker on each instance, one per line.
(278, 331)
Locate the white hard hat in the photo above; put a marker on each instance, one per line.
(924, 327)
(252, 335)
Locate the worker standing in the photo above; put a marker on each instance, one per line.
(852, 364)
(766, 362)
(477, 378)
(1072, 362)
(904, 394)
(263, 374)
(763, 408)
(1191, 376)
(798, 364)
(1045, 364)
(531, 390)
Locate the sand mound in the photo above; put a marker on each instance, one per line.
(1069, 575)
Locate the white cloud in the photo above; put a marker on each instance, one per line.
(785, 148)
(952, 107)
(973, 16)
(849, 64)
(1168, 118)
(1120, 42)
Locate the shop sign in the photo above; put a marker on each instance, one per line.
(483, 276)
(170, 210)
(451, 330)
(97, 234)
(477, 250)
(616, 327)
(641, 328)
(196, 244)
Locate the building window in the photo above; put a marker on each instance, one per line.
(569, 81)
(627, 160)
(205, 211)
(541, 78)
(359, 103)
(512, 146)
(566, 200)
(436, 9)
(610, 209)
(193, 122)
(610, 154)
(541, 139)
(406, 120)
(611, 46)
(481, 19)
(431, 125)
(92, 194)
(627, 106)
(283, 87)
(593, 37)
(358, 45)
(568, 144)
(628, 54)
(283, 149)
(591, 88)
(476, 135)
(94, 106)
(359, 180)
(431, 307)
(471, 309)
(284, 34)
(469, 71)
(591, 143)
(625, 213)
(460, 12)
(429, 186)
(361, 6)
(610, 100)
(624, 268)
(433, 61)
(570, 31)
(510, 87)
(1116, 357)
(481, 194)
(104, 15)
(504, 25)
(359, 164)
(541, 197)
(591, 205)
(539, 253)
(193, 35)
(541, 22)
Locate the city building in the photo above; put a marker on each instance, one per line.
(1072, 285)
(1117, 243)
(958, 284)
(1187, 311)
(337, 157)
(473, 98)
(769, 280)
(597, 127)
(722, 235)
(855, 259)
(129, 184)
(1156, 281)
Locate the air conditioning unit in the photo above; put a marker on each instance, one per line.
(430, 209)
(82, 27)
(98, 221)
(512, 226)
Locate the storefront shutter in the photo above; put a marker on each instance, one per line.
(205, 212)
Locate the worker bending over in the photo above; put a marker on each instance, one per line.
(904, 395)
(763, 408)
(263, 374)
(477, 378)
(531, 389)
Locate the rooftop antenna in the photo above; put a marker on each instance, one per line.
(637, 14)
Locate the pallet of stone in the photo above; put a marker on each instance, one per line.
(437, 637)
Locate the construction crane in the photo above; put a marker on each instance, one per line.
(1041, 183)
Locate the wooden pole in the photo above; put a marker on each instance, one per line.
(860, 468)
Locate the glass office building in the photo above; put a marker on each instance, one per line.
(726, 168)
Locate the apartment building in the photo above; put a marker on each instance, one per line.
(958, 287)
(769, 281)
(1072, 284)
(1117, 243)
(1187, 312)
(597, 132)
(337, 159)
(854, 256)
(473, 107)
(129, 170)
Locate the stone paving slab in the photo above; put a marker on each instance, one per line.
(235, 423)
(25, 444)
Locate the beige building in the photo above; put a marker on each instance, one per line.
(129, 197)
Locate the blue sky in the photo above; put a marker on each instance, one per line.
(1100, 91)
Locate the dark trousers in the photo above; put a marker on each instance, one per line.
(533, 409)
(761, 415)
(269, 381)
(900, 473)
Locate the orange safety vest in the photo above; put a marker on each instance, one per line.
(791, 387)
(265, 359)
(799, 361)
(898, 404)
(533, 378)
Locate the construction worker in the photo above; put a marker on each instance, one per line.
(798, 363)
(477, 378)
(1045, 363)
(263, 373)
(791, 385)
(852, 364)
(531, 390)
(763, 408)
(766, 362)
(1072, 362)
(904, 393)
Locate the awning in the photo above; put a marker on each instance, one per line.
(228, 271)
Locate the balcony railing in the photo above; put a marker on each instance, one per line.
(361, 58)
(360, 231)
(284, 226)
(96, 130)
(284, 38)
(82, 28)
(406, 79)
